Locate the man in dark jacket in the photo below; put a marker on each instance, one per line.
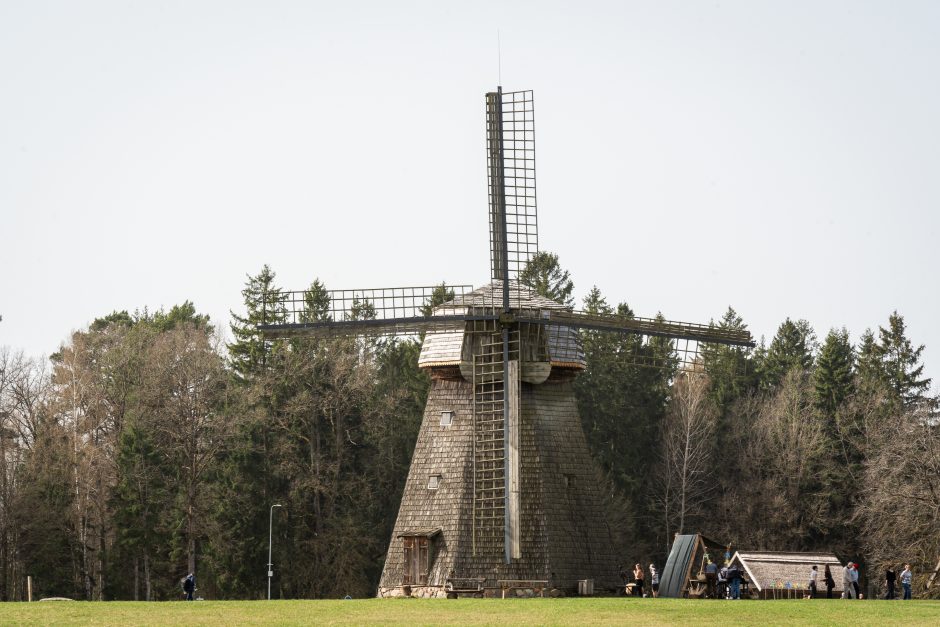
(189, 586)
(890, 578)
(711, 579)
(734, 577)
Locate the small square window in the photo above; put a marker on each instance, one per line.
(447, 418)
(434, 482)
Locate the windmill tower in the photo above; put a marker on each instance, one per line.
(502, 486)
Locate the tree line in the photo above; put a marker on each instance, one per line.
(146, 448)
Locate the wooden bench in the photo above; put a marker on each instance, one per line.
(464, 585)
(535, 585)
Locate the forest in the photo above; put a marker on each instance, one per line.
(147, 447)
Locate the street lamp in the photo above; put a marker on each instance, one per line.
(270, 564)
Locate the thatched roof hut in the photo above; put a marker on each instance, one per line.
(772, 570)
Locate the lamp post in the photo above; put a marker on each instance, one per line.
(270, 535)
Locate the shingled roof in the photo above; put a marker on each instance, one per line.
(769, 569)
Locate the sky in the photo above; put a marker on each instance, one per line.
(778, 157)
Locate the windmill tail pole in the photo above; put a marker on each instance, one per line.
(507, 510)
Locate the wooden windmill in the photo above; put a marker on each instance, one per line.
(501, 486)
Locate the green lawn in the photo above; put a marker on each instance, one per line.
(573, 611)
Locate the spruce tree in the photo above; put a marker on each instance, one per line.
(833, 379)
(264, 304)
(245, 475)
(791, 348)
(316, 303)
(546, 277)
(730, 368)
(869, 375)
(595, 303)
(900, 363)
(621, 403)
(440, 295)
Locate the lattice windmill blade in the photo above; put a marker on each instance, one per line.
(510, 143)
(686, 339)
(379, 311)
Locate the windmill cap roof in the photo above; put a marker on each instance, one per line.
(446, 347)
(520, 297)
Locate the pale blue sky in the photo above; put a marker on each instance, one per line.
(781, 157)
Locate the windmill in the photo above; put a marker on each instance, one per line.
(501, 486)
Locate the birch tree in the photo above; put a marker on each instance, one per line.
(686, 480)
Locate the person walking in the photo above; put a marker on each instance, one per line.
(906, 576)
(638, 580)
(654, 581)
(189, 586)
(890, 577)
(830, 582)
(855, 580)
(813, 575)
(848, 590)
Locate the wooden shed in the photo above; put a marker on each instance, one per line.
(775, 574)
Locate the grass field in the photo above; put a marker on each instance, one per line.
(573, 611)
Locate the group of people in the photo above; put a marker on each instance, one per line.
(850, 588)
(891, 577)
(639, 579)
(829, 580)
(724, 582)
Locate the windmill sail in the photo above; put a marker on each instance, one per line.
(510, 138)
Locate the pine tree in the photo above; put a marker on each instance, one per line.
(546, 277)
(833, 379)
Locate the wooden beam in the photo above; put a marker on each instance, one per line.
(514, 454)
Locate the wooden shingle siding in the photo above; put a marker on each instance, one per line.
(563, 530)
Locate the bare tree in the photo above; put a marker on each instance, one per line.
(778, 496)
(900, 508)
(686, 482)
